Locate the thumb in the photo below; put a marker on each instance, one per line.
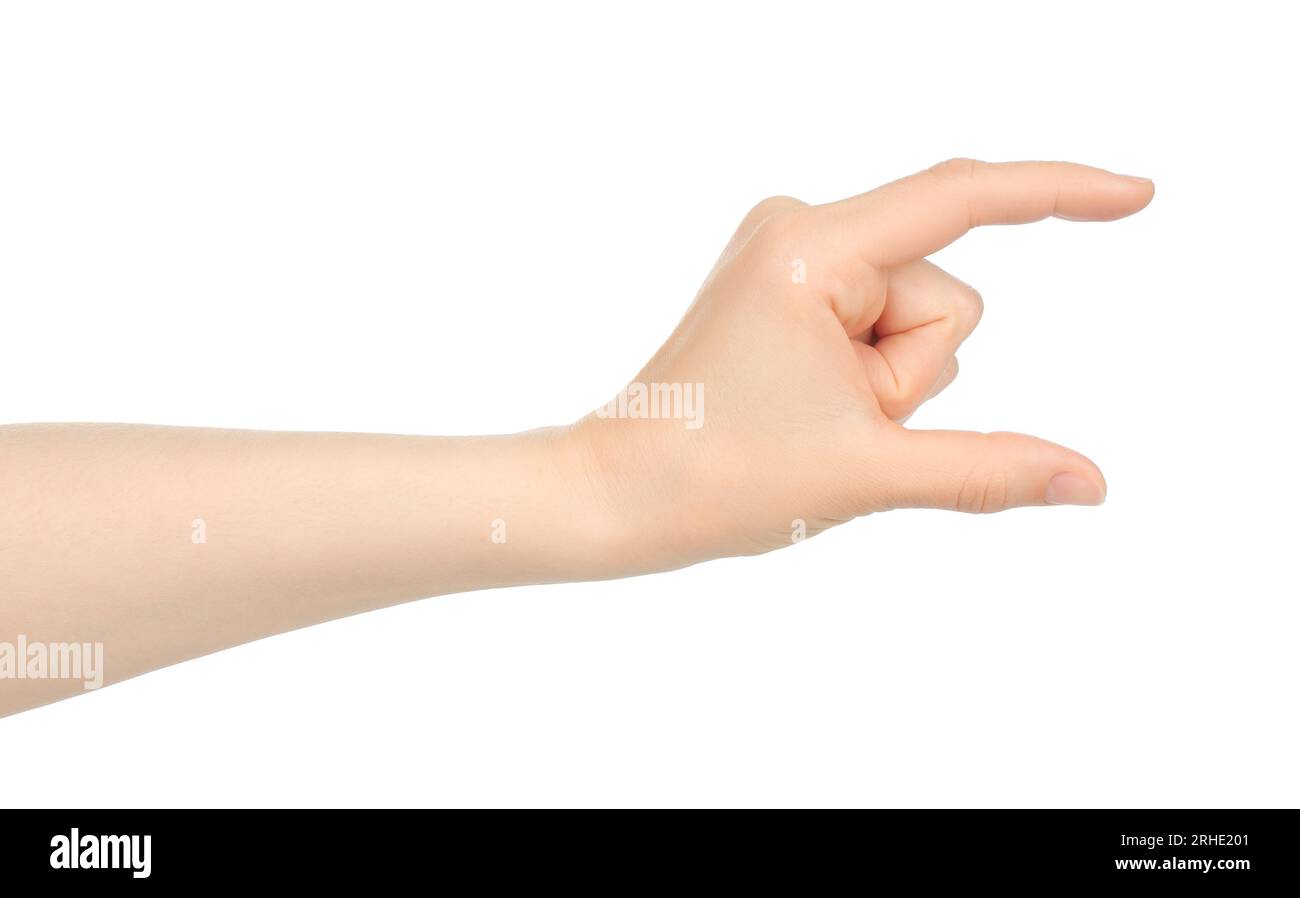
(987, 472)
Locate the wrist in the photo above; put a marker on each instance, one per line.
(634, 479)
(581, 529)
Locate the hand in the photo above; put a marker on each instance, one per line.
(817, 333)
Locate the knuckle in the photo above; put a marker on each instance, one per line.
(769, 209)
(784, 235)
(945, 379)
(968, 307)
(896, 408)
(983, 492)
(910, 395)
(957, 168)
(781, 239)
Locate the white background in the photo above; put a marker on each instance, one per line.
(413, 218)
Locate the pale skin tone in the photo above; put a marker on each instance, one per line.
(818, 332)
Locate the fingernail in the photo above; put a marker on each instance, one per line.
(1139, 180)
(1071, 489)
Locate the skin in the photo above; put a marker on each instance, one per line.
(806, 382)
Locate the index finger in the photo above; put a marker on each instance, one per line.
(923, 213)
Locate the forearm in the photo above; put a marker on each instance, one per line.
(167, 543)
